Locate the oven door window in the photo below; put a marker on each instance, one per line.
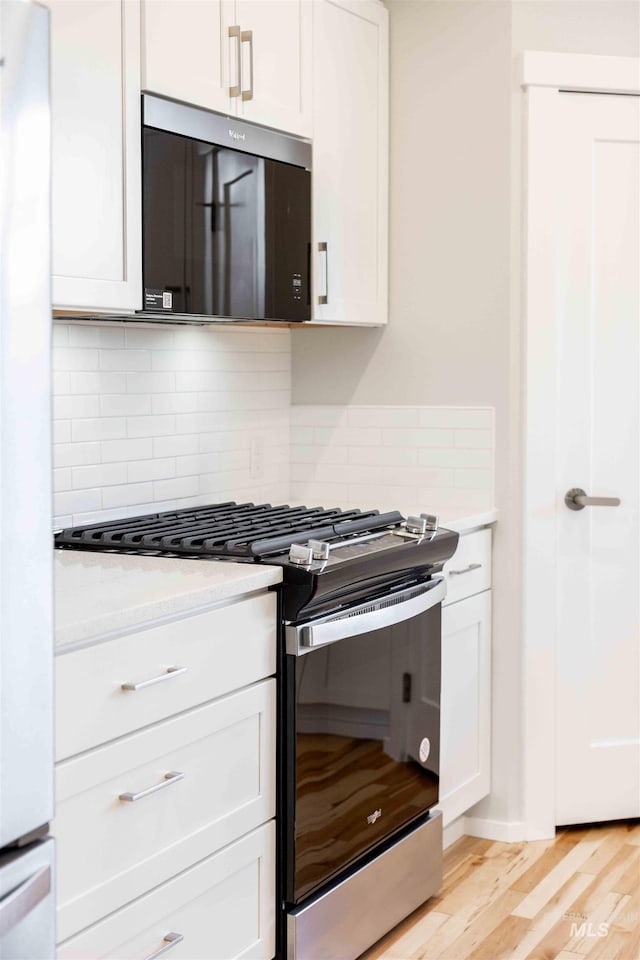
(367, 743)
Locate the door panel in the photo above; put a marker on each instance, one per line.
(187, 52)
(95, 105)
(598, 655)
(280, 47)
(350, 162)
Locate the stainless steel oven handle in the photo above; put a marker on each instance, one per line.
(353, 624)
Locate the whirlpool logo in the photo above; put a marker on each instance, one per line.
(374, 816)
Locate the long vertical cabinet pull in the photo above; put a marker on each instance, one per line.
(247, 37)
(323, 274)
(236, 89)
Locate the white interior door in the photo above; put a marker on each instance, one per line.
(598, 432)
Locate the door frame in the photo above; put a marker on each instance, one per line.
(542, 76)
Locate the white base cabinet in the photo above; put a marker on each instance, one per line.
(350, 162)
(222, 909)
(165, 800)
(465, 706)
(465, 760)
(95, 130)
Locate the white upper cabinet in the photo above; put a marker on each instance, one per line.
(350, 161)
(276, 58)
(250, 58)
(96, 201)
(187, 53)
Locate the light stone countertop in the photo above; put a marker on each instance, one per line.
(98, 595)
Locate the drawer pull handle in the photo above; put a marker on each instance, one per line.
(167, 675)
(472, 566)
(169, 941)
(172, 777)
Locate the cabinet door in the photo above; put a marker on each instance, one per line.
(95, 104)
(465, 730)
(276, 47)
(187, 53)
(350, 161)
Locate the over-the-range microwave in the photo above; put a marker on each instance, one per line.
(226, 214)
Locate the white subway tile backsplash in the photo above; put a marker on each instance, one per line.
(398, 457)
(98, 475)
(160, 426)
(127, 495)
(149, 382)
(125, 360)
(70, 407)
(113, 451)
(150, 420)
(180, 445)
(460, 417)
(141, 470)
(91, 382)
(474, 439)
(178, 487)
(125, 405)
(419, 438)
(95, 336)
(75, 454)
(99, 428)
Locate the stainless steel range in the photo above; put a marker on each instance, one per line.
(359, 703)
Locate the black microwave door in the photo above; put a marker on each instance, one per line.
(367, 731)
(225, 232)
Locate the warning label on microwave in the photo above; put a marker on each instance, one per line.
(158, 299)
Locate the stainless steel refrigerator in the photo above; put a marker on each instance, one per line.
(27, 910)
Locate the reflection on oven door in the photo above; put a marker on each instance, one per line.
(364, 709)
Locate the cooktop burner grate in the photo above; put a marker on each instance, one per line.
(224, 529)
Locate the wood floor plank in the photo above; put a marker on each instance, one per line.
(544, 900)
(548, 931)
(555, 851)
(549, 885)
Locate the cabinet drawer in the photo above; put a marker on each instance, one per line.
(222, 650)
(469, 570)
(224, 908)
(213, 770)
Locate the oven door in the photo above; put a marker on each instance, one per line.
(363, 731)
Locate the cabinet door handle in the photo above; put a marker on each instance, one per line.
(324, 296)
(170, 940)
(472, 566)
(22, 900)
(172, 777)
(169, 673)
(236, 89)
(247, 37)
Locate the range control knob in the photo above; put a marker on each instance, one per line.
(300, 554)
(416, 525)
(431, 521)
(320, 549)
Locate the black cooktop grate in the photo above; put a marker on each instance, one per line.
(223, 530)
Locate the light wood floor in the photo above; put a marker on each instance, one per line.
(574, 897)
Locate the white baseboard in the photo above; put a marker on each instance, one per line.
(452, 832)
(503, 830)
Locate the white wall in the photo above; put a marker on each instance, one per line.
(454, 327)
